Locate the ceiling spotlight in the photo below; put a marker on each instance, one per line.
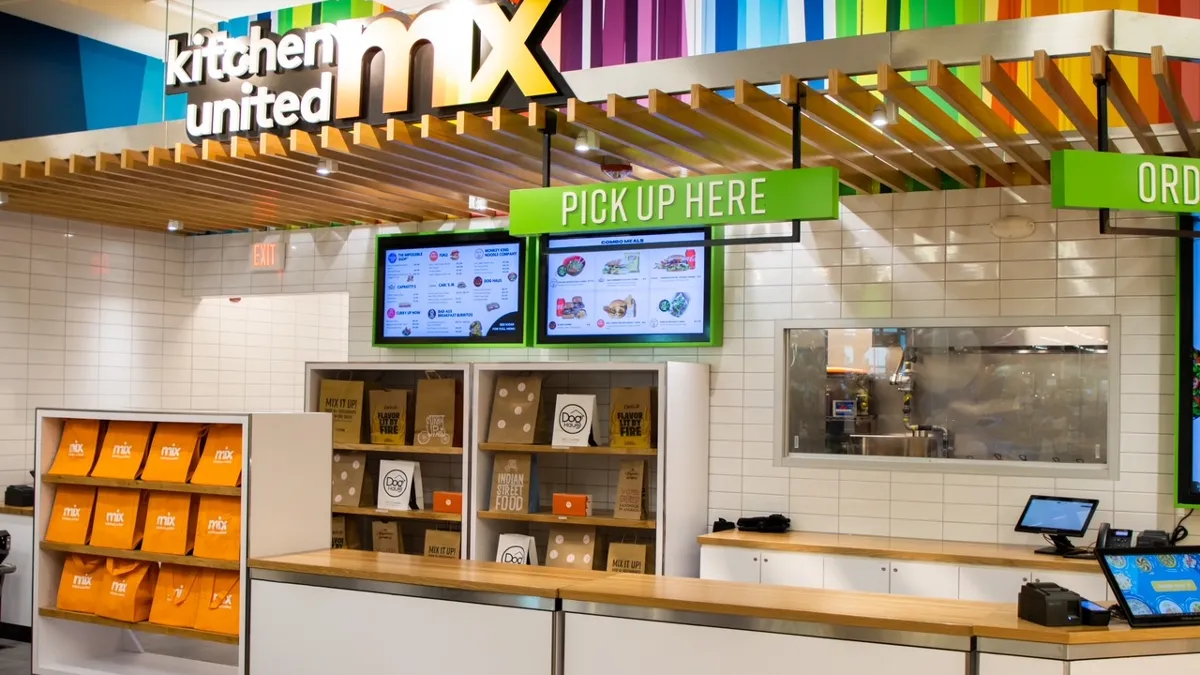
(3, 198)
(585, 141)
(174, 225)
(326, 167)
(475, 203)
(884, 114)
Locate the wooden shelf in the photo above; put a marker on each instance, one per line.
(142, 627)
(398, 449)
(143, 485)
(398, 515)
(562, 450)
(598, 519)
(188, 560)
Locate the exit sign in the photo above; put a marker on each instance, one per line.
(267, 256)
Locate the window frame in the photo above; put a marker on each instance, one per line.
(1109, 470)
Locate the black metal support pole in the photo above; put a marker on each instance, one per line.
(1101, 82)
(797, 148)
(547, 136)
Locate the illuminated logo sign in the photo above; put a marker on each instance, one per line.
(458, 55)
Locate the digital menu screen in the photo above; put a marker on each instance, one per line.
(450, 289)
(630, 292)
(1187, 471)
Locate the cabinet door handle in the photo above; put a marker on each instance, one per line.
(765, 560)
(882, 569)
(756, 559)
(894, 569)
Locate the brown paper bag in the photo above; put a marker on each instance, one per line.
(628, 558)
(389, 416)
(442, 544)
(345, 534)
(630, 424)
(385, 537)
(572, 547)
(345, 401)
(514, 483)
(515, 408)
(351, 484)
(439, 408)
(631, 490)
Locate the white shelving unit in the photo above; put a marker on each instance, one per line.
(285, 460)
(677, 469)
(441, 469)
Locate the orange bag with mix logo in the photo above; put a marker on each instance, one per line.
(77, 450)
(123, 450)
(170, 523)
(126, 590)
(71, 518)
(120, 518)
(221, 460)
(172, 456)
(176, 596)
(219, 528)
(78, 587)
(220, 602)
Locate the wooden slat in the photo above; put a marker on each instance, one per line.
(997, 81)
(401, 142)
(775, 111)
(157, 486)
(373, 512)
(598, 519)
(99, 551)
(643, 148)
(565, 164)
(567, 133)
(1059, 89)
(970, 106)
(441, 132)
(823, 110)
(558, 450)
(1125, 102)
(141, 627)
(906, 134)
(925, 111)
(398, 449)
(673, 111)
(635, 116)
(1173, 99)
(726, 113)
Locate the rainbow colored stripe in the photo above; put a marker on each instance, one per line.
(596, 33)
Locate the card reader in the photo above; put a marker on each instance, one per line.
(1049, 604)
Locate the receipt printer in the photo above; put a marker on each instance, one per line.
(1049, 605)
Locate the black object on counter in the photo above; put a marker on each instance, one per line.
(1049, 604)
(18, 495)
(774, 523)
(1091, 614)
(720, 525)
(1153, 539)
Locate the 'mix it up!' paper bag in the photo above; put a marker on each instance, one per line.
(345, 400)
(628, 558)
(442, 544)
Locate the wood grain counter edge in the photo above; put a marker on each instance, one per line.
(17, 510)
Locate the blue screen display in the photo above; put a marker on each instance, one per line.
(1157, 585)
(1057, 514)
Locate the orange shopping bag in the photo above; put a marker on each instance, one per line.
(71, 518)
(77, 589)
(173, 455)
(220, 602)
(77, 449)
(221, 460)
(126, 590)
(219, 528)
(176, 596)
(120, 518)
(123, 450)
(170, 523)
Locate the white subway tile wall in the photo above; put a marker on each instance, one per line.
(95, 317)
(926, 254)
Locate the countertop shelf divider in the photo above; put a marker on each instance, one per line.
(373, 512)
(398, 449)
(597, 520)
(185, 560)
(142, 627)
(563, 450)
(134, 484)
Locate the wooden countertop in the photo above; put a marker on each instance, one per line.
(842, 608)
(467, 575)
(927, 550)
(17, 510)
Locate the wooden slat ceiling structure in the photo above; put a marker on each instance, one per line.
(426, 170)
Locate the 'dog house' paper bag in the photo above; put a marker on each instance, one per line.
(352, 486)
(631, 490)
(77, 450)
(400, 486)
(438, 410)
(630, 424)
(173, 453)
(516, 549)
(385, 537)
(345, 401)
(574, 415)
(389, 415)
(514, 483)
(124, 450)
(443, 544)
(515, 408)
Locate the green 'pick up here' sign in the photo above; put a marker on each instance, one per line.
(1108, 180)
(727, 199)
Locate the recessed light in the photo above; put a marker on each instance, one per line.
(585, 141)
(174, 225)
(3, 198)
(884, 114)
(326, 167)
(477, 203)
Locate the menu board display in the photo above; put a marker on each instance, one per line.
(450, 289)
(630, 292)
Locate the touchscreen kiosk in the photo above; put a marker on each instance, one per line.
(1155, 586)
(1057, 518)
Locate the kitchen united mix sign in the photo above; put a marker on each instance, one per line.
(449, 57)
